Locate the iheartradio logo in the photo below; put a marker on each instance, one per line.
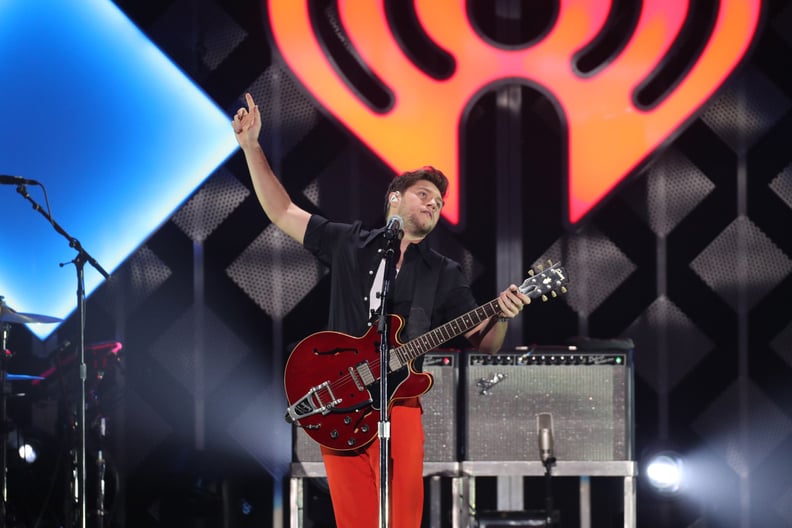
(610, 129)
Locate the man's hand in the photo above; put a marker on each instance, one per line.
(247, 124)
(511, 302)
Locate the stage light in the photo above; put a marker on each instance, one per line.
(28, 453)
(665, 472)
(79, 56)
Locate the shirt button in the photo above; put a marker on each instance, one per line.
(371, 272)
(379, 250)
(365, 298)
(368, 324)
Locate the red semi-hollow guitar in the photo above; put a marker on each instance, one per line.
(332, 379)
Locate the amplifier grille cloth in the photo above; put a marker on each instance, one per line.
(588, 404)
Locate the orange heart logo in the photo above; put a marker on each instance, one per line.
(608, 133)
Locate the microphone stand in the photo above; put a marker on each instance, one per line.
(545, 438)
(550, 514)
(383, 328)
(4, 328)
(79, 263)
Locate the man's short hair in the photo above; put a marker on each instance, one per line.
(407, 179)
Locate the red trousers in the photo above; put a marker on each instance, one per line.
(353, 477)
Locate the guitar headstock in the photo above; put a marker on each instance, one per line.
(545, 281)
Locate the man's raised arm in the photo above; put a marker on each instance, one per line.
(273, 198)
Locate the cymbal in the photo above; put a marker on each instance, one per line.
(9, 315)
(12, 377)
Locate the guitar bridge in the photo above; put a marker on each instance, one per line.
(312, 403)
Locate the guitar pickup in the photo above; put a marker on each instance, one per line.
(364, 375)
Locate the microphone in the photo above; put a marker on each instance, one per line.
(544, 423)
(393, 230)
(16, 180)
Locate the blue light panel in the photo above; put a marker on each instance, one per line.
(117, 134)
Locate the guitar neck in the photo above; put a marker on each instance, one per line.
(442, 334)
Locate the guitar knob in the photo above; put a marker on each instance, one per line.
(351, 442)
(333, 434)
(364, 428)
(347, 420)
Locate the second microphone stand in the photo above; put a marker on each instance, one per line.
(548, 461)
(79, 263)
(393, 238)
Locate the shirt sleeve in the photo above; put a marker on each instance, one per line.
(323, 237)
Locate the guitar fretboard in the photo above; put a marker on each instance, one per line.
(442, 334)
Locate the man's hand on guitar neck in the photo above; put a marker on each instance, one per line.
(488, 336)
(511, 302)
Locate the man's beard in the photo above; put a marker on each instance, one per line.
(421, 228)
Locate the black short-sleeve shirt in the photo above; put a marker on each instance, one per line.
(353, 254)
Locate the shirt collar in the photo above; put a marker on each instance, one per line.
(423, 247)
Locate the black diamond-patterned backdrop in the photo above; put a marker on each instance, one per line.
(691, 258)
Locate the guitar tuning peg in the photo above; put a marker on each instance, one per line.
(550, 263)
(540, 267)
(531, 273)
(553, 294)
(544, 298)
(563, 289)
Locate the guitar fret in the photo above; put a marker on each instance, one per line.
(411, 348)
(433, 338)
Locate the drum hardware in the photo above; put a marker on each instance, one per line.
(8, 317)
